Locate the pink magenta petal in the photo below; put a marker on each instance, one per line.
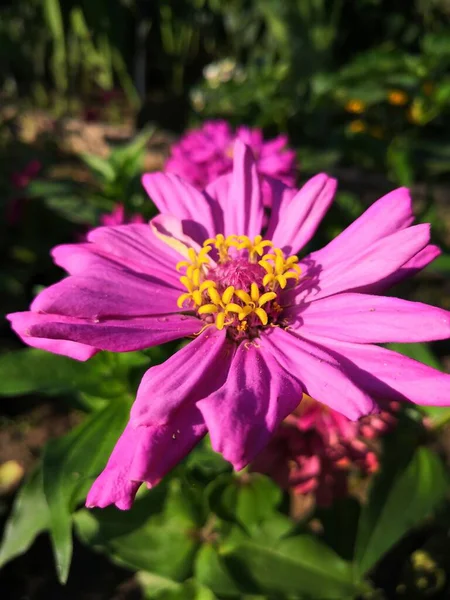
(107, 294)
(167, 445)
(422, 259)
(79, 259)
(22, 323)
(298, 219)
(376, 262)
(134, 245)
(115, 335)
(174, 196)
(113, 486)
(372, 319)
(243, 414)
(192, 373)
(322, 376)
(244, 212)
(386, 216)
(389, 375)
(145, 454)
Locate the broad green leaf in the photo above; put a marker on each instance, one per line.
(69, 466)
(29, 517)
(211, 571)
(247, 499)
(339, 522)
(163, 541)
(99, 166)
(300, 565)
(31, 370)
(74, 209)
(397, 504)
(159, 588)
(126, 160)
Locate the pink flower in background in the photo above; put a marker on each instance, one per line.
(20, 181)
(118, 217)
(316, 449)
(202, 155)
(265, 327)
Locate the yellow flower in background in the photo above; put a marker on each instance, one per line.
(357, 126)
(415, 113)
(397, 97)
(355, 106)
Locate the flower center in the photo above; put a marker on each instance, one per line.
(236, 282)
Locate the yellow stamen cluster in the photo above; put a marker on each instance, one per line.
(195, 262)
(194, 288)
(222, 244)
(254, 302)
(279, 269)
(221, 306)
(254, 248)
(236, 306)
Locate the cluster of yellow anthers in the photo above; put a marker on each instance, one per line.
(280, 269)
(203, 293)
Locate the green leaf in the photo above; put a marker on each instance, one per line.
(31, 370)
(247, 499)
(339, 522)
(69, 466)
(158, 588)
(28, 518)
(297, 565)
(398, 501)
(211, 571)
(163, 541)
(100, 166)
(127, 158)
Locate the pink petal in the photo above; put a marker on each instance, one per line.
(192, 373)
(106, 294)
(386, 216)
(243, 414)
(354, 271)
(167, 445)
(378, 319)
(322, 376)
(389, 375)
(298, 219)
(22, 322)
(244, 212)
(132, 246)
(113, 485)
(79, 259)
(135, 246)
(145, 454)
(115, 335)
(176, 197)
(409, 269)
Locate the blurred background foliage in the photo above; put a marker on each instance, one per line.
(91, 94)
(363, 83)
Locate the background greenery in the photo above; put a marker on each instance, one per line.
(363, 90)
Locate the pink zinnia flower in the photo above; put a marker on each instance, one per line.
(316, 449)
(118, 217)
(266, 328)
(203, 154)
